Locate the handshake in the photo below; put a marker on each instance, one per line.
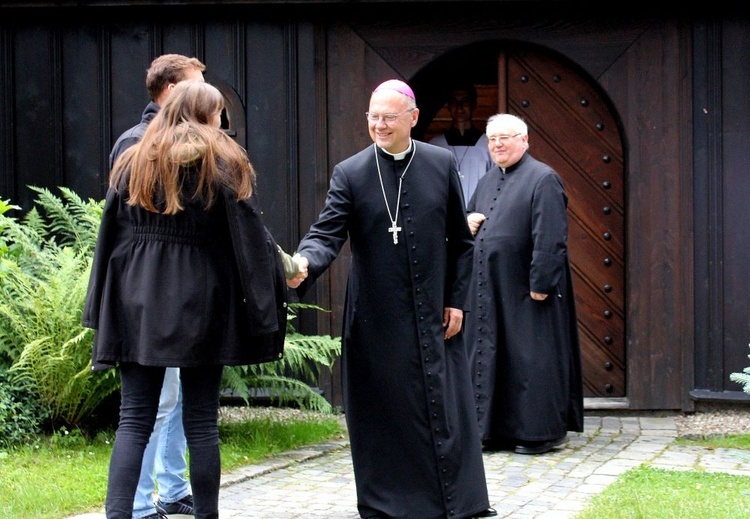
(295, 268)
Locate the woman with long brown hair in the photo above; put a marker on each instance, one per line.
(185, 275)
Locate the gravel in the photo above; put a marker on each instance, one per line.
(714, 422)
(228, 414)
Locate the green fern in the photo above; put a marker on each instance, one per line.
(44, 271)
(742, 378)
(284, 381)
(70, 219)
(56, 356)
(24, 244)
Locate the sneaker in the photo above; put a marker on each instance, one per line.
(182, 506)
(157, 515)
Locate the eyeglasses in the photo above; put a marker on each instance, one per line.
(502, 138)
(387, 118)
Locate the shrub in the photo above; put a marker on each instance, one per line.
(22, 415)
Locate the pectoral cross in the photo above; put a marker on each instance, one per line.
(394, 229)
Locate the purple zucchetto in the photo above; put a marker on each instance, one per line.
(397, 85)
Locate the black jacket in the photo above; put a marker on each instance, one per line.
(197, 288)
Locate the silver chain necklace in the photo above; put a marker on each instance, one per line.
(393, 229)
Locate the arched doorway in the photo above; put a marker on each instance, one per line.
(233, 116)
(573, 128)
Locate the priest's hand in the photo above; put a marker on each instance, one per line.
(475, 221)
(536, 296)
(452, 320)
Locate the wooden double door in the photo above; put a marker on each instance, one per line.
(573, 129)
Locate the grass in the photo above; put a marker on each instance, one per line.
(650, 493)
(65, 474)
(738, 441)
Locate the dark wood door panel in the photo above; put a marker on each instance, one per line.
(603, 374)
(571, 129)
(592, 264)
(567, 88)
(576, 134)
(597, 315)
(599, 214)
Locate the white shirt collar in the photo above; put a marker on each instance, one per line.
(400, 156)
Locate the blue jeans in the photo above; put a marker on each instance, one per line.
(141, 388)
(164, 462)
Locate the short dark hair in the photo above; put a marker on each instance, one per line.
(169, 68)
(464, 87)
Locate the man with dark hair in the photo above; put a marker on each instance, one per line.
(164, 461)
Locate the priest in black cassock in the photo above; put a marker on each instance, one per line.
(522, 330)
(409, 408)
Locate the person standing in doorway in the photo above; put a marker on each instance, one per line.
(467, 142)
(164, 464)
(185, 274)
(522, 331)
(408, 402)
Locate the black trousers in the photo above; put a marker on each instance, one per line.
(141, 387)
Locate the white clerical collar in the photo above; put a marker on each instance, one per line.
(399, 156)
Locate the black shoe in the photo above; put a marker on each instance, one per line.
(490, 512)
(498, 445)
(540, 447)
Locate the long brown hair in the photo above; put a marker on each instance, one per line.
(179, 140)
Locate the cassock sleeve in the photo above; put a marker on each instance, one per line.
(327, 235)
(460, 246)
(549, 230)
